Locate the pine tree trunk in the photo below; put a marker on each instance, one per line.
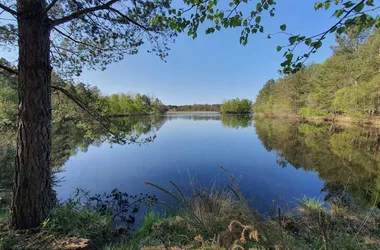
(32, 183)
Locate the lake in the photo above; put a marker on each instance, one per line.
(276, 160)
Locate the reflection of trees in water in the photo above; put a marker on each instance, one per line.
(228, 121)
(236, 121)
(71, 136)
(345, 158)
(194, 117)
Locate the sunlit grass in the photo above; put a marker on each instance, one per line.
(314, 203)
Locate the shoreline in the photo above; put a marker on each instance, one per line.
(339, 119)
(191, 112)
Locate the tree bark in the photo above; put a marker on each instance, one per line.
(32, 184)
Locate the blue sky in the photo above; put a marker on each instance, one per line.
(215, 67)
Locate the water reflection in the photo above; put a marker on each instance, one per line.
(236, 121)
(346, 159)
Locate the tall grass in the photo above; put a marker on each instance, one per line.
(216, 219)
(72, 219)
(311, 202)
(222, 219)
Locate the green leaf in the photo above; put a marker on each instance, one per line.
(348, 4)
(369, 3)
(283, 27)
(377, 25)
(258, 19)
(349, 22)
(293, 39)
(210, 30)
(317, 45)
(318, 5)
(327, 5)
(339, 12)
(279, 48)
(308, 41)
(289, 57)
(333, 29)
(359, 7)
(341, 30)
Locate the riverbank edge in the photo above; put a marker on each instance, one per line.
(211, 219)
(339, 119)
(191, 112)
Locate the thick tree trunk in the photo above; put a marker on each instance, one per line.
(32, 183)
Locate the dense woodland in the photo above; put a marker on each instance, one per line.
(347, 83)
(89, 101)
(237, 106)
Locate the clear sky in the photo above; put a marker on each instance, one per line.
(215, 67)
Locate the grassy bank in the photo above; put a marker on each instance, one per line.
(207, 219)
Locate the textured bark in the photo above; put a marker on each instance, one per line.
(32, 183)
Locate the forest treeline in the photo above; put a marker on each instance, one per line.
(347, 83)
(237, 106)
(78, 100)
(193, 108)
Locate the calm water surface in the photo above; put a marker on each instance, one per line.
(275, 159)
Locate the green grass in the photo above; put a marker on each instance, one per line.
(143, 236)
(72, 220)
(210, 218)
(150, 219)
(311, 202)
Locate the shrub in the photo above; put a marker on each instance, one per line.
(309, 112)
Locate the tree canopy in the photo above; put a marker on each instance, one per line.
(346, 83)
(194, 107)
(94, 34)
(236, 106)
(216, 15)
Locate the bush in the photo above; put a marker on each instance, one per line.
(308, 113)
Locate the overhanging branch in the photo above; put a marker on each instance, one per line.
(128, 18)
(9, 69)
(103, 120)
(83, 12)
(51, 5)
(8, 9)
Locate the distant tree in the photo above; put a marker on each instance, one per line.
(194, 107)
(236, 106)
